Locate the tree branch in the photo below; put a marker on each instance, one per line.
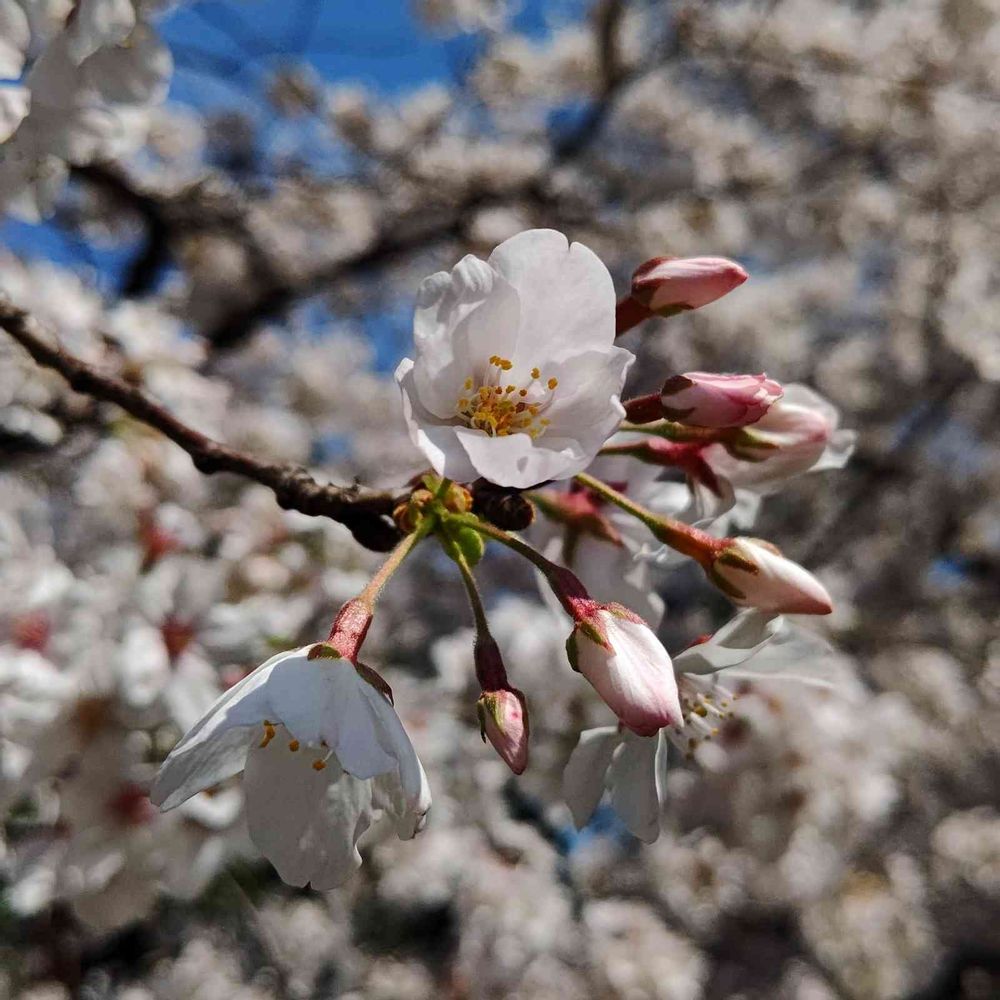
(366, 513)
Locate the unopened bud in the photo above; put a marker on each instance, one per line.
(457, 499)
(755, 574)
(503, 720)
(506, 508)
(703, 399)
(668, 285)
(618, 653)
(410, 512)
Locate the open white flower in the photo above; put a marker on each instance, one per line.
(516, 377)
(323, 752)
(632, 768)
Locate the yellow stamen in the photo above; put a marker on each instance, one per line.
(318, 765)
(293, 745)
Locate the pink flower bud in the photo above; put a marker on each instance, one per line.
(668, 285)
(503, 720)
(626, 664)
(703, 399)
(755, 574)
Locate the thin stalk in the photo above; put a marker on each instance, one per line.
(565, 584)
(673, 431)
(371, 593)
(471, 587)
(681, 537)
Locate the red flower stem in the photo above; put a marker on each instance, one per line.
(629, 313)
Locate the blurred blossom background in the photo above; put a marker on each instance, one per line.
(231, 204)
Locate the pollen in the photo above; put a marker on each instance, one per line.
(500, 408)
(293, 745)
(319, 765)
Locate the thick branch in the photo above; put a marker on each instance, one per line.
(364, 512)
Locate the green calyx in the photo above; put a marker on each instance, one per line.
(323, 651)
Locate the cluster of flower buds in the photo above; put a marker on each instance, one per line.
(516, 384)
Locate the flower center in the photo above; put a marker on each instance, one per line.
(318, 763)
(499, 409)
(705, 703)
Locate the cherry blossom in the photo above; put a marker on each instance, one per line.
(323, 754)
(516, 377)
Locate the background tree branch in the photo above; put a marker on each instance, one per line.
(367, 513)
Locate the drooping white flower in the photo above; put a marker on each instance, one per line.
(627, 665)
(516, 377)
(754, 646)
(323, 753)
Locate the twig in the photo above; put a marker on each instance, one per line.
(365, 512)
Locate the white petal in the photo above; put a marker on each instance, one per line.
(566, 293)
(15, 36)
(217, 745)
(632, 778)
(584, 776)
(796, 655)
(439, 442)
(395, 741)
(586, 402)
(305, 822)
(518, 461)
(201, 766)
(14, 104)
(457, 328)
(97, 23)
(739, 639)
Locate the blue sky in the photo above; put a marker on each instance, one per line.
(378, 43)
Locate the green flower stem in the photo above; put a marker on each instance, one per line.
(683, 538)
(455, 553)
(673, 431)
(371, 593)
(375, 585)
(565, 585)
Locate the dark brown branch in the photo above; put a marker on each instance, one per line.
(365, 512)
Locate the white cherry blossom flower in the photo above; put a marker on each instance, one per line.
(516, 377)
(323, 753)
